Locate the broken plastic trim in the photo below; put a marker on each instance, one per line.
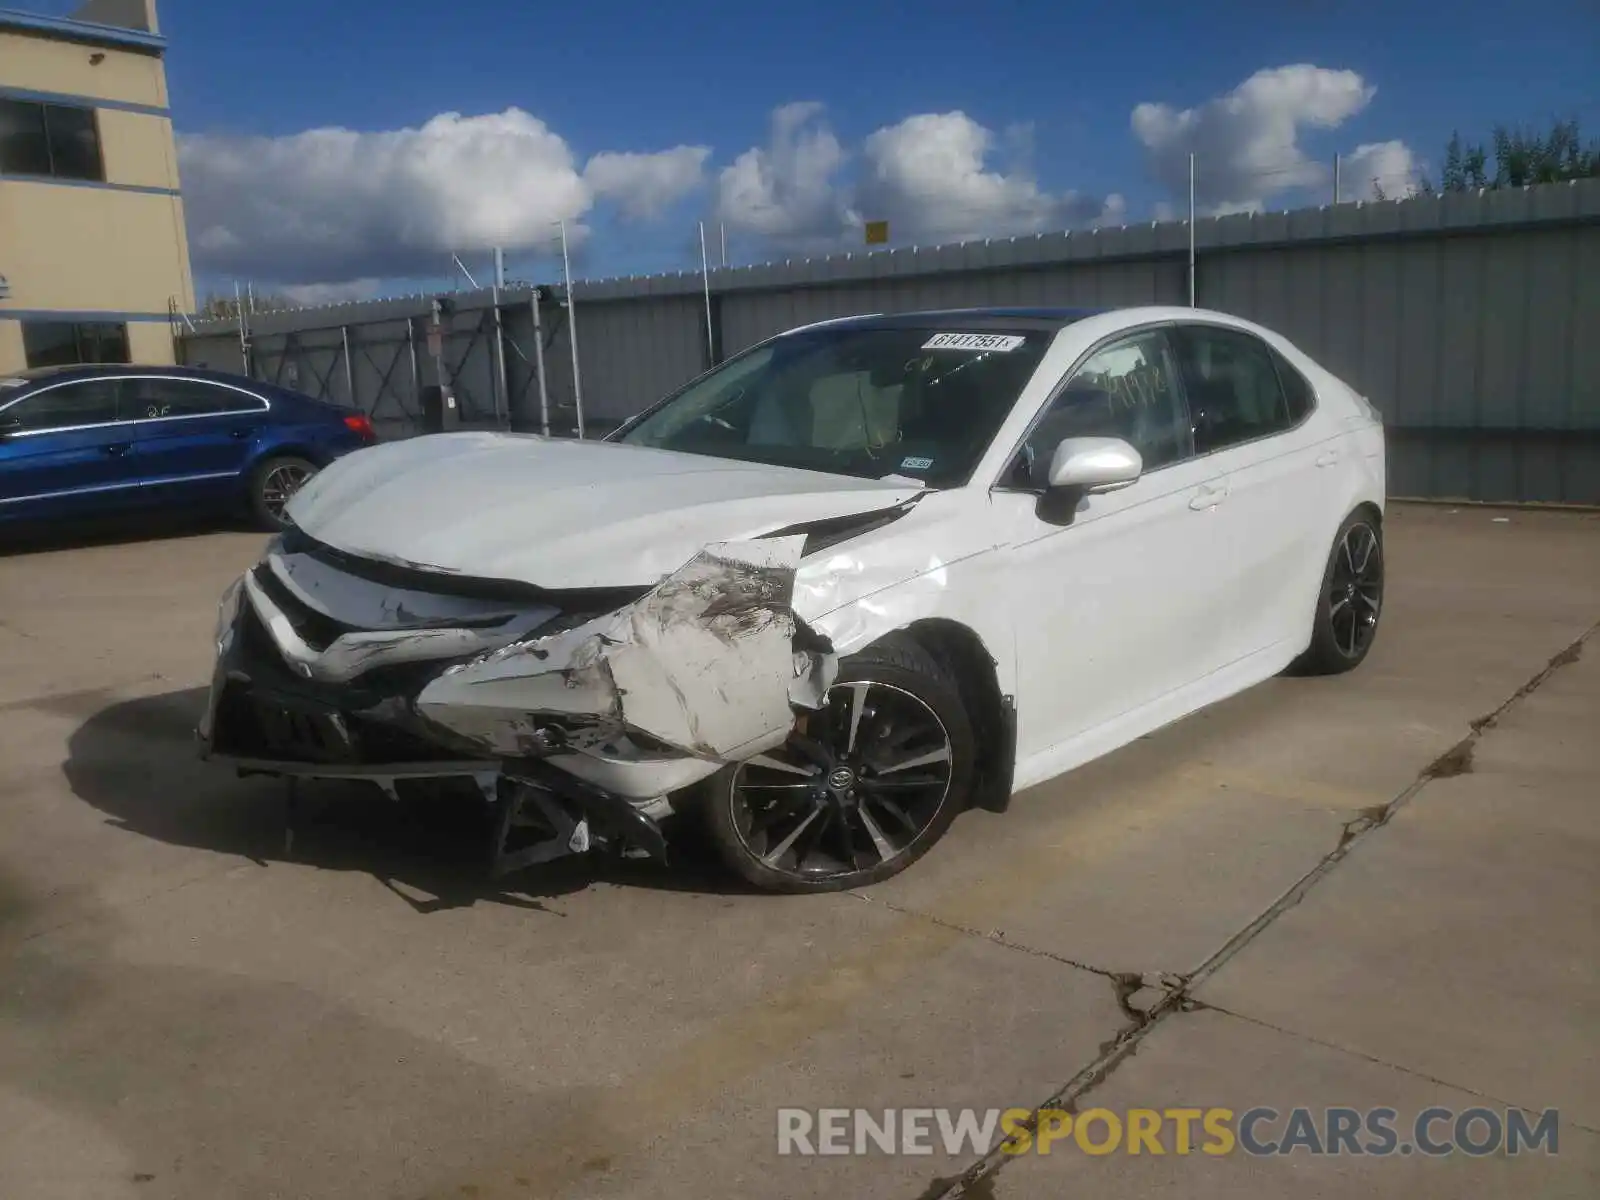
(710, 662)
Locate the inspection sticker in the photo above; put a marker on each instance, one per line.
(915, 464)
(973, 341)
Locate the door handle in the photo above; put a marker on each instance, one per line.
(1208, 497)
(240, 434)
(118, 449)
(1327, 458)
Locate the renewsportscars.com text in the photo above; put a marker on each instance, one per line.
(1258, 1131)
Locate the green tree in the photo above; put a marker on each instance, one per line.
(1521, 157)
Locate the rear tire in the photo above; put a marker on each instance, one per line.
(1350, 600)
(272, 483)
(862, 789)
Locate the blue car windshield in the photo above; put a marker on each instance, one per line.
(870, 402)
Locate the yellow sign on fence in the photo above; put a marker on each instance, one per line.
(877, 233)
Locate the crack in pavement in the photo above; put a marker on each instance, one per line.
(1128, 986)
(977, 1181)
(8, 627)
(1193, 1005)
(996, 936)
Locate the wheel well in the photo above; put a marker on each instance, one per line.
(1372, 510)
(290, 450)
(993, 714)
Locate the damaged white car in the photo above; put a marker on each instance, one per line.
(861, 576)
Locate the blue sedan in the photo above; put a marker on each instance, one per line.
(88, 441)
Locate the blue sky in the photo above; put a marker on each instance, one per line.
(1053, 84)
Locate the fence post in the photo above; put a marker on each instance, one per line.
(436, 349)
(504, 392)
(411, 348)
(705, 280)
(538, 365)
(572, 332)
(244, 333)
(1191, 229)
(349, 369)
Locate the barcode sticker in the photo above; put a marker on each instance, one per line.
(973, 341)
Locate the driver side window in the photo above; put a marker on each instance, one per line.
(1125, 390)
(67, 406)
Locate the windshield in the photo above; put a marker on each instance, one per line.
(923, 403)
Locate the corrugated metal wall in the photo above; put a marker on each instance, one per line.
(1471, 320)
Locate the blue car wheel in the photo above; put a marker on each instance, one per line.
(273, 483)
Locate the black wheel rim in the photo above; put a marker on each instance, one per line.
(853, 788)
(1355, 593)
(281, 483)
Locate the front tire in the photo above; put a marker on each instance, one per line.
(272, 483)
(864, 786)
(1350, 600)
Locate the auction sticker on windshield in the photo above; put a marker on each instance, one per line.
(973, 341)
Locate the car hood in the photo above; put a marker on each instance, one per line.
(560, 513)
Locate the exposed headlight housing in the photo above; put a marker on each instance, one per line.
(227, 614)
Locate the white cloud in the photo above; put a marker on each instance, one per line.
(1379, 168)
(310, 295)
(333, 205)
(1247, 142)
(931, 176)
(321, 215)
(786, 191)
(645, 184)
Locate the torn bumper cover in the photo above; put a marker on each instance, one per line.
(705, 663)
(324, 669)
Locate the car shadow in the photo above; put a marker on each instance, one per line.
(22, 537)
(136, 762)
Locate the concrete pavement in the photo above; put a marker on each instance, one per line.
(184, 1013)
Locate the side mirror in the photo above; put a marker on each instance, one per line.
(1092, 465)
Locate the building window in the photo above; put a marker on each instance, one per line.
(64, 343)
(53, 140)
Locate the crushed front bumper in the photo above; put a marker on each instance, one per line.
(328, 667)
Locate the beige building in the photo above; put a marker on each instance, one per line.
(93, 255)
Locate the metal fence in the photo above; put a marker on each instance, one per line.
(1471, 319)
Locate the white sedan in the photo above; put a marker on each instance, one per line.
(855, 579)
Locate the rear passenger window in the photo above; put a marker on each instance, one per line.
(1296, 389)
(149, 398)
(1232, 385)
